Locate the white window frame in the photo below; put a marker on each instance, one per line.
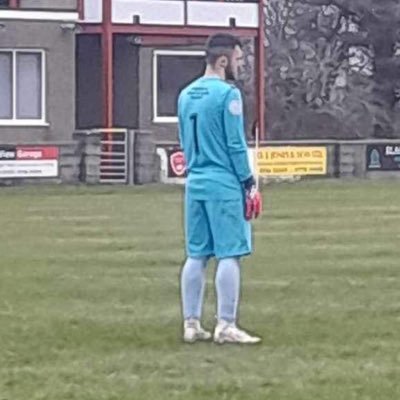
(37, 15)
(14, 121)
(158, 118)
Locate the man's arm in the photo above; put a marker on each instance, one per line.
(237, 148)
(180, 123)
(234, 130)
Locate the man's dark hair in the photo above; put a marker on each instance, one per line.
(220, 44)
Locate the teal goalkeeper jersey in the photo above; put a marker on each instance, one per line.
(211, 134)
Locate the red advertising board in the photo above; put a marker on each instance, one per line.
(28, 161)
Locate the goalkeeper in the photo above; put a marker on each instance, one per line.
(220, 195)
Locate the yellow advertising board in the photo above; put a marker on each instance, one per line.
(291, 160)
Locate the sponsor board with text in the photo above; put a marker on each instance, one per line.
(383, 157)
(291, 160)
(269, 161)
(28, 161)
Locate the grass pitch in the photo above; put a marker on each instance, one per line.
(89, 297)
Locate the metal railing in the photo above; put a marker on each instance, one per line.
(114, 156)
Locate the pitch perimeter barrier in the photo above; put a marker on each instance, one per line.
(372, 159)
(128, 157)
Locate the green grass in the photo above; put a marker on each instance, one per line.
(89, 297)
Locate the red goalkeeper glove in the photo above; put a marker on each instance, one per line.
(253, 200)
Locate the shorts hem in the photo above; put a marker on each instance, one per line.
(200, 255)
(233, 255)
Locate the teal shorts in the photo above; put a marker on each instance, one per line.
(216, 228)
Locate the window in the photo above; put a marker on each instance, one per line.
(172, 71)
(4, 3)
(23, 87)
(88, 89)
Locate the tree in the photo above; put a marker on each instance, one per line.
(332, 68)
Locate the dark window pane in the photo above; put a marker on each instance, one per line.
(29, 85)
(88, 82)
(126, 83)
(174, 73)
(5, 85)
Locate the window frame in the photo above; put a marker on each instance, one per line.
(156, 117)
(14, 121)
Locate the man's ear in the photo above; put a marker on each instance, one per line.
(223, 61)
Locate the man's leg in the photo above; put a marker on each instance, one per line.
(232, 239)
(199, 248)
(193, 279)
(227, 282)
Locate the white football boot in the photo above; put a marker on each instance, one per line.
(192, 331)
(228, 332)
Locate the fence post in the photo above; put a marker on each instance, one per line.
(131, 156)
(90, 146)
(145, 165)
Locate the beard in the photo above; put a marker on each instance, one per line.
(229, 74)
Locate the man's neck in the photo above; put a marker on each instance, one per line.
(214, 73)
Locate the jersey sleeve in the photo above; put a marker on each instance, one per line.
(234, 130)
(180, 122)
